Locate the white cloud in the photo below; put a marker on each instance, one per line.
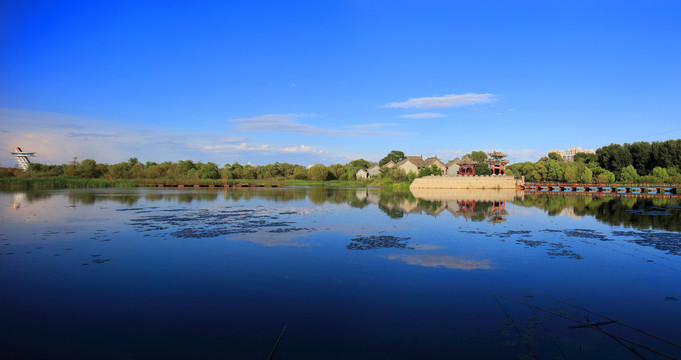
(424, 116)
(443, 101)
(245, 147)
(301, 149)
(287, 123)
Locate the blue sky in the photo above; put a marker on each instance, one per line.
(331, 81)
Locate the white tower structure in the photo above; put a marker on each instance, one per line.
(22, 157)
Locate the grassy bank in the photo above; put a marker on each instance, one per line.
(74, 182)
(62, 182)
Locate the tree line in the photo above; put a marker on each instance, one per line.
(639, 162)
(188, 169)
(629, 163)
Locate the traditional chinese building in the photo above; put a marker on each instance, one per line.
(466, 166)
(497, 163)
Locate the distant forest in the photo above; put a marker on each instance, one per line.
(656, 162)
(629, 163)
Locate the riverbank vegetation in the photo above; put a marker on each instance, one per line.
(640, 162)
(656, 162)
(89, 173)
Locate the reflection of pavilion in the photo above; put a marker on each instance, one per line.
(497, 213)
(474, 205)
(465, 208)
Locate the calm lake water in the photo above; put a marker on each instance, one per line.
(353, 274)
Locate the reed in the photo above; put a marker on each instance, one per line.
(62, 182)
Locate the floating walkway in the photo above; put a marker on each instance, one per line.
(601, 189)
(216, 185)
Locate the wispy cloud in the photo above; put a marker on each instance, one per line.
(265, 148)
(93, 135)
(289, 123)
(424, 116)
(445, 101)
(369, 126)
(302, 149)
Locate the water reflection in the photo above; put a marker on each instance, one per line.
(472, 205)
(640, 213)
(445, 261)
(236, 263)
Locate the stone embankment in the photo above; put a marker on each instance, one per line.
(466, 195)
(468, 182)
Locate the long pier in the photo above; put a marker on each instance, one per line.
(604, 189)
(175, 185)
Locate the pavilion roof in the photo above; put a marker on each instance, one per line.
(496, 161)
(497, 154)
(467, 161)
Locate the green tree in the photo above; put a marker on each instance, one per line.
(554, 171)
(394, 156)
(628, 175)
(300, 173)
(88, 169)
(641, 155)
(361, 163)
(435, 170)
(555, 156)
(614, 157)
(570, 174)
(585, 158)
(248, 172)
(425, 171)
(209, 171)
(318, 172)
(660, 174)
(482, 168)
(336, 171)
(587, 176)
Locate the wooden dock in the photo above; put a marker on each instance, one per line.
(649, 190)
(175, 185)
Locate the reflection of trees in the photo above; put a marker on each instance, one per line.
(641, 213)
(396, 203)
(90, 198)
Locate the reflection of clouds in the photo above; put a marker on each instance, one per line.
(446, 261)
(427, 247)
(295, 211)
(274, 239)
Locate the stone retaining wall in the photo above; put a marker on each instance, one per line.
(466, 194)
(467, 182)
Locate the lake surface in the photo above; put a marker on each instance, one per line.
(352, 274)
